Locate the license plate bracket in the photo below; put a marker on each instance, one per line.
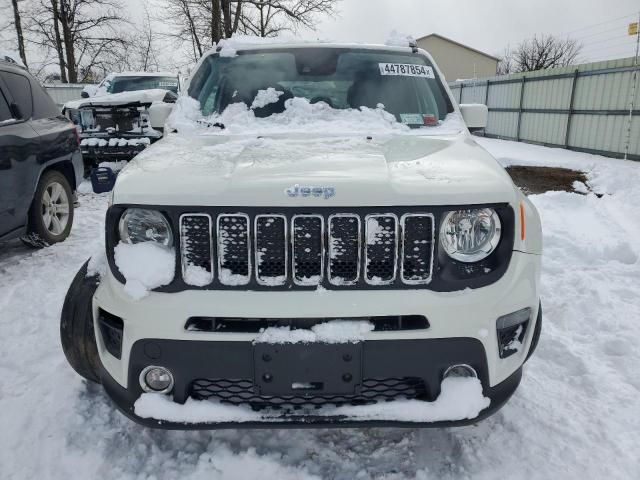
(307, 369)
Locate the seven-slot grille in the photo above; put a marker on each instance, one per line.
(307, 250)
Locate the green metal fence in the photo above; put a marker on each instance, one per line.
(588, 108)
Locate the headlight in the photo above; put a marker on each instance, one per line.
(470, 235)
(139, 225)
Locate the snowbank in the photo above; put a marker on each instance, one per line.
(145, 266)
(459, 399)
(335, 331)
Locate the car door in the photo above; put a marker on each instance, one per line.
(19, 146)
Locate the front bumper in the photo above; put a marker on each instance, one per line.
(426, 359)
(117, 147)
(462, 329)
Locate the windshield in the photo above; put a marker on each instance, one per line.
(143, 82)
(405, 84)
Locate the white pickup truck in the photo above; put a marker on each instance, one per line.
(122, 115)
(318, 241)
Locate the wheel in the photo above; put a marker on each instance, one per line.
(51, 212)
(76, 326)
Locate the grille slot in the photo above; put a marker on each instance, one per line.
(271, 249)
(344, 249)
(417, 248)
(234, 261)
(381, 252)
(241, 392)
(307, 235)
(196, 249)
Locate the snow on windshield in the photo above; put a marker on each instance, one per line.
(299, 116)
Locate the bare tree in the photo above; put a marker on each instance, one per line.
(539, 53)
(17, 23)
(505, 62)
(267, 18)
(84, 34)
(202, 23)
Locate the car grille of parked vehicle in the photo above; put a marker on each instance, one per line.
(303, 250)
(242, 392)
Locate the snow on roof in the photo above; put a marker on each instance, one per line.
(11, 57)
(144, 74)
(248, 42)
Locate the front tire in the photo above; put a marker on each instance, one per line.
(51, 211)
(76, 326)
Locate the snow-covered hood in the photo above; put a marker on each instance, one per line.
(123, 98)
(352, 170)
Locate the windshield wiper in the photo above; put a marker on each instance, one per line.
(208, 124)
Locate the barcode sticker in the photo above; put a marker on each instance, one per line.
(406, 70)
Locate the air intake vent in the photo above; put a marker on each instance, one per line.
(344, 249)
(381, 252)
(196, 249)
(417, 248)
(307, 234)
(271, 249)
(233, 249)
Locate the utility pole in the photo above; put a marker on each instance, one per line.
(634, 86)
(18, 24)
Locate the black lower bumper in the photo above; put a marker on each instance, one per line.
(192, 360)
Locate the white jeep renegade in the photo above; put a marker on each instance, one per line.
(318, 240)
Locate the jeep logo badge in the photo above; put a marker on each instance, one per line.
(310, 191)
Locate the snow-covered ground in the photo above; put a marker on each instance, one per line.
(575, 415)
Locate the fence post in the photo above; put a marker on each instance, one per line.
(520, 109)
(461, 87)
(486, 94)
(573, 93)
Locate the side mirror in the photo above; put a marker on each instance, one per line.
(16, 112)
(475, 115)
(158, 114)
(84, 94)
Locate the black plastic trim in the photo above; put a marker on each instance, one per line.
(448, 275)
(189, 360)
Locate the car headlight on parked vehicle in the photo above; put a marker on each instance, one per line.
(470, 235)
(139, 225)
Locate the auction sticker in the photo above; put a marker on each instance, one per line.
(406, 70)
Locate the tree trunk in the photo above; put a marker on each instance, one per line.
(18, 25)
(226, 13)
(216, 21)
(59, 50)
(69, 47)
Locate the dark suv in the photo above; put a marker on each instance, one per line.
(40, 162)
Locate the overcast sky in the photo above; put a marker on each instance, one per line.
(489, 25)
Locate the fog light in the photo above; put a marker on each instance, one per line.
(462, 370)
(156, 380)
(511, 329)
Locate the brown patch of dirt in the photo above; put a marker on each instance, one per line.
(533, 180)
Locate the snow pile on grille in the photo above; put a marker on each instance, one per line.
(196, 275)
(459, 399)
(145, 266)
(336, 331)
(114, 142)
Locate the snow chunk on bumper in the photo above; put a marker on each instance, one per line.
(459, 399)
(145, 266)
(336, 331)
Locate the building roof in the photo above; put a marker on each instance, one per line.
(459, 44)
